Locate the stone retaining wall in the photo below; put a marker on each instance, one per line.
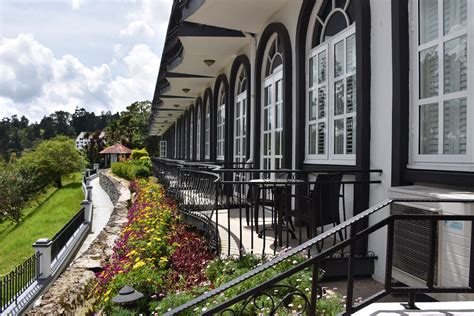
(70, 294)
(109, 185)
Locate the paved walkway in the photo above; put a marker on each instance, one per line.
(103, 207)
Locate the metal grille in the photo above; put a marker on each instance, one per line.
(411, 243)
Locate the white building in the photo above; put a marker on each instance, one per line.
(83, 139)
(332, 84)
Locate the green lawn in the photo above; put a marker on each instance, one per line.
(56, 208)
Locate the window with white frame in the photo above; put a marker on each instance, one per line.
(198, 134)
(207, 130)
(331, 99)
(240, 119)
(220, 125)
(272, 109)
(163, 149)
(441, 112)
(191, 134)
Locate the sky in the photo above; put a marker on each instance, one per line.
(98, 54)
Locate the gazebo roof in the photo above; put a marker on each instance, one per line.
(116, 149)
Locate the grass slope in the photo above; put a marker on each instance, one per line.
(56, 208)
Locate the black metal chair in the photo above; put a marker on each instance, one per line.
(322, 205)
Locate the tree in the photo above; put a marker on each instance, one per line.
(62, 120)
(131, 128)
(54, 159)
(16, 191)
(48, 127)
(95, 146)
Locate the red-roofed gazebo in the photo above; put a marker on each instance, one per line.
(114, 152)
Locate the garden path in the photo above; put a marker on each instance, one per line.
(103, 207)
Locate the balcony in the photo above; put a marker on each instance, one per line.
(312, 214)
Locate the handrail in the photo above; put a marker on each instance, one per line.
(314, 260)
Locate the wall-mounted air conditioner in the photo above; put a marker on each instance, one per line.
(411, 240)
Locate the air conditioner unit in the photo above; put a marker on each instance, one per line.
(411, 240)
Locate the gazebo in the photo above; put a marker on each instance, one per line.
(113, 153)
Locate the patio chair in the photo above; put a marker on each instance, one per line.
(323, 205)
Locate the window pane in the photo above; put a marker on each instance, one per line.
(321, 67)
(321, 138)
(455, 15)
(350, 54)
(312, 139)
(455, 127)
(278, 116)
(278, 91)
(350, 135)
(312, 105)
(322, 103)
(339, 59)
(428, 20)
(339, 137)
(237, 146)
(278, 143)
(455, 65)
(429, 129)
(428, 72)
(312, 72)
(351, 94)
(268, 96)
(266, 119)
(339, 97)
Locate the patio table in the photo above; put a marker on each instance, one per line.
(277, 186)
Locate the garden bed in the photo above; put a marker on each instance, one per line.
(171, 263)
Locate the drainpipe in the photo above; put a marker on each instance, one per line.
(253, 53)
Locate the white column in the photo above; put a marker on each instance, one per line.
(96, 167)
(89, 192)
(88, 215)
(43, 247)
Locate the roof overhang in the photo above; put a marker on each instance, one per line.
(200, 31)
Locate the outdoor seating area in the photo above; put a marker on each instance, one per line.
(263, 211)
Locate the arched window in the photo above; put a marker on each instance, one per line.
(207, 129)
(240, 117)
(272, 110)
(220, 154)
(198, 132)
(331, 86)
(191, 134)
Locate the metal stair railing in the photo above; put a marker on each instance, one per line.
(274, 292)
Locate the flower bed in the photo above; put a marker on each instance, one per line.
(156, 252)
(170, 264)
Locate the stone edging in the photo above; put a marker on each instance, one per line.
(70, 292)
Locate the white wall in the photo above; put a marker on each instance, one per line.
(380, 119)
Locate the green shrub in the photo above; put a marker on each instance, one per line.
(130, 170)
(137, 154)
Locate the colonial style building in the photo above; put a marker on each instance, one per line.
(330, 84)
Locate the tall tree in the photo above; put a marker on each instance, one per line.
(54, 159)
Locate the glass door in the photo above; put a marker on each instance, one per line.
(240, 136)
(272, 121)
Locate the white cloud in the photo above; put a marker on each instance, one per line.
(142, 69)
(35, 82)
(76, 4)
(149, 19)
(137, 28)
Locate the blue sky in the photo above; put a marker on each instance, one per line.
(101, 55)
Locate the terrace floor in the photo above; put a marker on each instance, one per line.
(246, 237)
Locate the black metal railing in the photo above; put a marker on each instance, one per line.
(278, 291)
(92, 172)
(62, 237)
(269, 209)
(15, 282)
